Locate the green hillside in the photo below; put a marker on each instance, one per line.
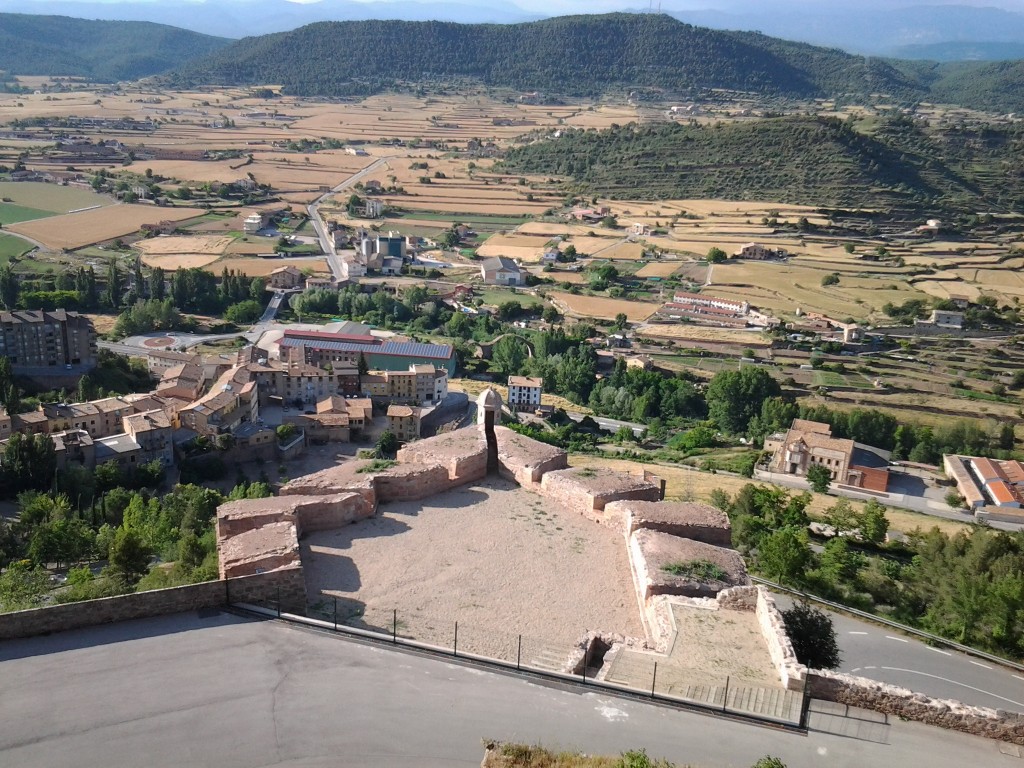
(804, 160)
(98, 50)
(573, 55)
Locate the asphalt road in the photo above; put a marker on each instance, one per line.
(610, 425)
(883, 654)
(221, 691)
(326, 243)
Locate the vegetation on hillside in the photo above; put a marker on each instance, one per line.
(98, 50)
(811, 161)
(573, 55)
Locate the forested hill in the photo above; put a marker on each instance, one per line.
(804, 160)
(571, 55)
(98, 50)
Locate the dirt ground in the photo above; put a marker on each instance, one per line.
(499, 560)
(597, 306)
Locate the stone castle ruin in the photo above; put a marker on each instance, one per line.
(261, 535)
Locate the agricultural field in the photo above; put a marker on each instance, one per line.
(263, 267)
(602, 308)
(12, 247)
(496, 297)
(625, 250)
(53, 198)
(76, 230)
(703, 333)
(523, 248)
(13, 214)
(659, 269)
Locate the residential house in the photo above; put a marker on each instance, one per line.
(501, 271)
(286, 277)
(152, 431)
(404, 422)
(524, 393)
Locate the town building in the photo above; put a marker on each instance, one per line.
(152, 431)
(524, 393)
(323, 347)
(983, 482)
(286, 277)
(809, 443)
(231, 401)
(160, 360)
(420, 385)
(501, 271)
(404, 422)
(35, 341)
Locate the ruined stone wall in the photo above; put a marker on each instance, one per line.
(792, 673)
(588, 495)
(322, 513)
(899, 702)
(412, 482)
(232, 525)
(263, 587)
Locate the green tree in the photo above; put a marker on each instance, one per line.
(819, 478)
(838, 562)
(784, 554)
(387, 445)
(734, 398)
(813, 636)
(509, 354)
(129, 556)
(621, 321)
(22, 586)
(244, 312)
(113, 294)
(716, 256)
(9, 287)
(873, 524)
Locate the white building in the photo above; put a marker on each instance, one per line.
(253, 223)
(524, 393)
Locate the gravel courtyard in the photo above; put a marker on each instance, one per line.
(499, 560)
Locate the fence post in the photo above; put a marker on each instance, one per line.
(725, 699)
(654, 678)
(394, 628)
(519, 653)
(455, 649)
(335, 614)
(279, 602)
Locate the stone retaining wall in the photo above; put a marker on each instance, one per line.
(899, 702)
(261, 588)
(588, 492)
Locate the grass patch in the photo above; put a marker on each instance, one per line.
(971, 394)
(377, 465)
(501, 297)
(526, 756)
(696, 570)
(12, 214)
(12, 247)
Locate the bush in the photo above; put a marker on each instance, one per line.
(813, 636)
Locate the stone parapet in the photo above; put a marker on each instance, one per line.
(899, 702)
(526, 461)
(689, 520)
(286, 585)
(654, 553)
(588, 491)
(411, 482)
(267, 548)
(462, 452)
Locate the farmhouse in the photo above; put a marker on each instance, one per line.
(253, 223)
(758, 252)
(501, 271)
(944, 319)
(286, 277)
(809, 443)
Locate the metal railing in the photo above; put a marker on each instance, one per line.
(937, 639)
(636, 674)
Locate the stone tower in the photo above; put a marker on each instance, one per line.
(488, 414)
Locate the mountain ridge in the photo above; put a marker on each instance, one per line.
(100, 50)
